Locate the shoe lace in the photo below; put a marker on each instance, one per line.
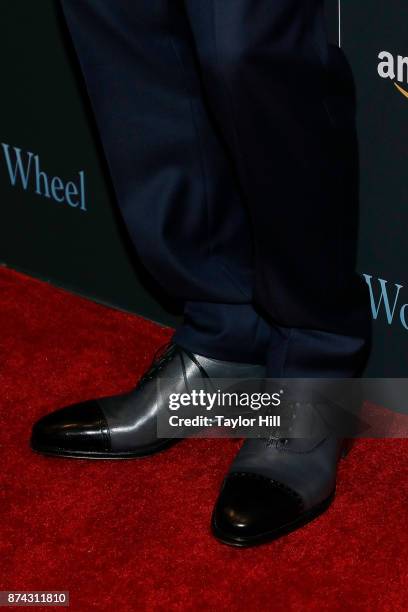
(164, 355)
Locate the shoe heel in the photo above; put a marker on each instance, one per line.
(347, 446)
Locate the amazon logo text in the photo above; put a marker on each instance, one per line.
(394, 68)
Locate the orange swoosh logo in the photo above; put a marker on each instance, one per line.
(401, 90)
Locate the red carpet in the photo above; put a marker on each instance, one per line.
(134, 535)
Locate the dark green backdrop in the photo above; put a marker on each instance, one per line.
(44, 110)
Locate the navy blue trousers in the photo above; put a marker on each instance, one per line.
(229, 129)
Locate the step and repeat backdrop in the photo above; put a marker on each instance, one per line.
(58, 219)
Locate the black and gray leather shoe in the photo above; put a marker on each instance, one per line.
(125, 426)
(274, 487)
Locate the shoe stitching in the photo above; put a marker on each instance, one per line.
(103, 424)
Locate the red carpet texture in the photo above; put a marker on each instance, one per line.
(134, 535)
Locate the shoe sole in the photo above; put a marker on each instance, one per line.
(138, 454)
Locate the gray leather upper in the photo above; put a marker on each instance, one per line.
(307, 466)
(131, 417)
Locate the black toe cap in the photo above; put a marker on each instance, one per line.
(78, 429)
(252, 508)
